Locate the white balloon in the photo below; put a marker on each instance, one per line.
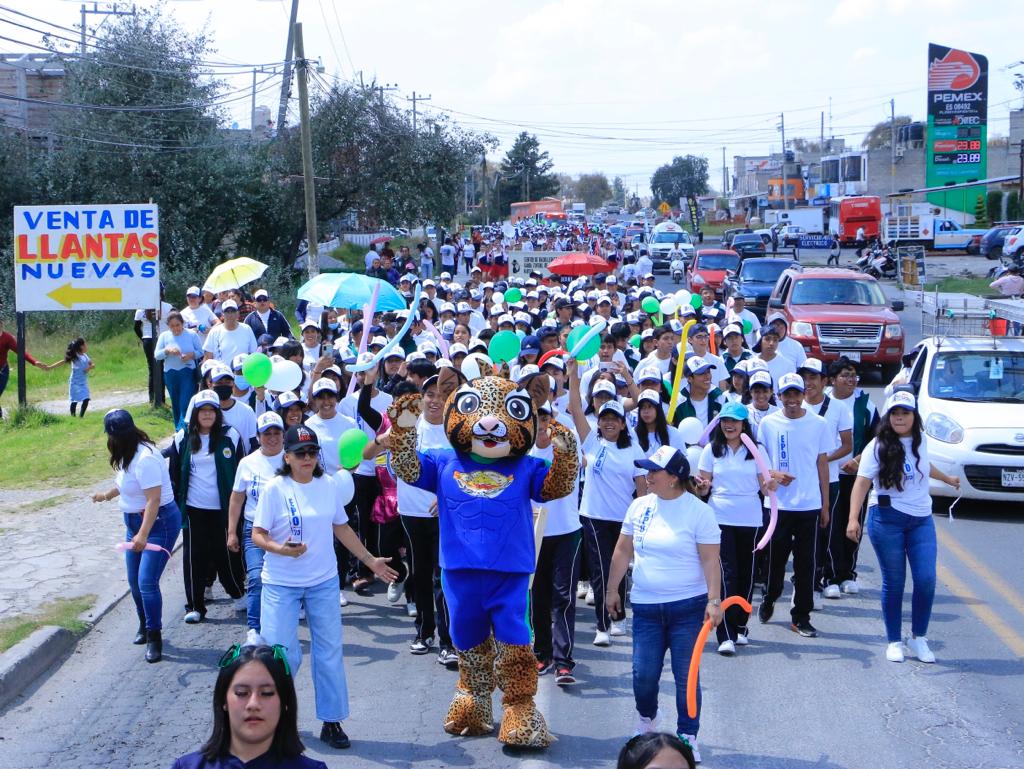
(668, 305)
(346, 486)
(284, 375)
(693, 457)
(497, 297)
(682, 297)
(690, 430)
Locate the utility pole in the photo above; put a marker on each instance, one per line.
(312, 252)
(286, 80)
(785, 176)
(415, 99)
(725, 177)
(380, 89)
(892, 145)
(252, 119)
(1020, 182)
(108, 9)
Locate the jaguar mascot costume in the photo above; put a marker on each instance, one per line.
(484, 489)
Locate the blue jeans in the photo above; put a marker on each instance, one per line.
(253, 580)
(145, 568)
(279, 620)
(897, 538)
(658, 627)
(181, 384)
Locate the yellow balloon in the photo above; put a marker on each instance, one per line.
(678, 378)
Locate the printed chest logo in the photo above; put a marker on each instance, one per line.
(483, 483)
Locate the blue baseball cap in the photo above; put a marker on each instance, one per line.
(118, 422)
(734, 410)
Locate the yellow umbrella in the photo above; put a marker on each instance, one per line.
(234, 274)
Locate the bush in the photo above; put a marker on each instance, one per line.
(994, 205)
(1013, 206)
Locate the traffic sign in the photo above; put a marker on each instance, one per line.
(663, 209)
(522, 263)
(103, 257)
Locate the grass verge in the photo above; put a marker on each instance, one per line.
(63, 612)
(955, 285)
(42, 449)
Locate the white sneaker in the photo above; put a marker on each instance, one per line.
(832, 591)
(602, 639)
(850, 587)
(241, 604)
(727, 648)
(742, 640)
(193, 617)
(590, 596)
(817, 601)
(894, 652)
(581, 589)
(691, 739)
(395, 592)
(208, 594)
(617, 628)
(918, 647)
(410, 609)
(342, 600)
(645, 725)
(253, 638)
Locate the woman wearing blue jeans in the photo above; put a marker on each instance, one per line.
(179, 349)
(895, 467)
(151, 517)
(673, 539)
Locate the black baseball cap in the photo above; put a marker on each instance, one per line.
(118, 422)
(300, 437)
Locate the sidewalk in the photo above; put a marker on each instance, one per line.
(105, 402)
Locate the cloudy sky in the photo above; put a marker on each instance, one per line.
(619, 87)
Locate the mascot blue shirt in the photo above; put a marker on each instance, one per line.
(484, 510)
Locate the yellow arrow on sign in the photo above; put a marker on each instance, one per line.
(69, 295)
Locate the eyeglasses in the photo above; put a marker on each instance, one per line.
(306, 453)
(262, 299)
(232, 654)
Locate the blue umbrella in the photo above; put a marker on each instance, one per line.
(350, 290)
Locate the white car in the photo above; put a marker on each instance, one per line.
(971, 400)
(1013, 242)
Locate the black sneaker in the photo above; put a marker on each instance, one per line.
(765, 611)
(446, 656)
(421, 645)
(804, 628)
(564, 677)
(544, 667)
(334, 735)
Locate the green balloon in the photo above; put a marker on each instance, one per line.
(651, 305)
(635, 340)
(747, 326)
(350, 447)
(257, 369)
(513, 295)
(696, 301)
(591, 348)
(504, 347)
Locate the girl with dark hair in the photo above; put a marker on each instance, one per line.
(651, 427)
(728, 470)
(656, 750)
(203, 459)
(760, 397)
(255, 715)
(895, 467)
(609, 483)
(78, 385)
(151, 517)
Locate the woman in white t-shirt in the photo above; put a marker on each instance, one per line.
(151, 518)
(672, 539)
(650, 426)
(300, 513)
(896, 468)
(254, 472)
(760, 397)
(609, 482)
(728, 468)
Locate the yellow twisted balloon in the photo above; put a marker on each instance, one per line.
(678, 378)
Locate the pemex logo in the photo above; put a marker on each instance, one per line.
(956, 71)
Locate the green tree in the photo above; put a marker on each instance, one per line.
(525, 173)
(593, 189)
(683, 177)
(881, 134)
(980, 213)
(1013, 211)
(994, 205)
(618, 190)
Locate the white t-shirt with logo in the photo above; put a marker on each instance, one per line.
(666, 532)
(914, 498)
(318, 508)
(608, 478)
(243, 419)
(415, 502)
(224, 345)
(734, 486)
(147, 470)
(254, 473)
(202, 479)
(328, 432)
(839, 418)
(793, 446)
(161, 323)
(778, 366)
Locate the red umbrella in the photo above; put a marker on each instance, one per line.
(578, 263)
(381, 239)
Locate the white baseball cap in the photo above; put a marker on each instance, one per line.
(763, 377)
(268, 420)
(604, 386)
(790, 382)
(206, 398)
(900, 399)
(324, 385)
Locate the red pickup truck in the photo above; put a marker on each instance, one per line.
(835, 312)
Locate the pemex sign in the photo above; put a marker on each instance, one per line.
(103, 257)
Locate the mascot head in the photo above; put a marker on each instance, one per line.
(489, 416)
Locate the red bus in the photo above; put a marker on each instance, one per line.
(847, 214)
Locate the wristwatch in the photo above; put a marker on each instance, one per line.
(714, 602)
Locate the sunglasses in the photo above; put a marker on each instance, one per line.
(306, 453)
(232, 654)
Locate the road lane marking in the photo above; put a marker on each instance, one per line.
(1008, 594)
(982, 610)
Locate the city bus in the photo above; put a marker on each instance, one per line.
(847, 214)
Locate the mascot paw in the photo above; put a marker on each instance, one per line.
(406, 410)
(562, 439)
(469, 715)
(523, 726)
